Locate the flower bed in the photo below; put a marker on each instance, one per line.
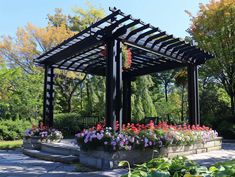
(34, 136)
(136, 142)
(136, 136)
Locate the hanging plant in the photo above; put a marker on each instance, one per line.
(126, 56)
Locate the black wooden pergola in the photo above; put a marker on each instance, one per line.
(152, 50)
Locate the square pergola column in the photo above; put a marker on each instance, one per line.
(113, 83)
(193, 96)
(48, 96)
(126, 100)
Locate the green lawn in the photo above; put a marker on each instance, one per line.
(11, 144)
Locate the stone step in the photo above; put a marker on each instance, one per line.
(51, 157)
(60, 149)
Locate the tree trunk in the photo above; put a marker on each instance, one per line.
(182, 104)
(166, 97)
(166, 92)
(89, 99)
(69, 105)
(81, 101)
(232, 97)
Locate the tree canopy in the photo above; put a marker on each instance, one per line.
(213, 28)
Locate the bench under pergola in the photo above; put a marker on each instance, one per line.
(152, 51)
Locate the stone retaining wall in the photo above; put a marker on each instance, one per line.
(101, 159)
(32, 143)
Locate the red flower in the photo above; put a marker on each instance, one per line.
(99, 127)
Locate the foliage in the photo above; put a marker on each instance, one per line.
(140, 136)
(82, 18)
(71, 85)
(227, 128)
(13, 129)
(11, 144)
(19, 94)
(180, 167)
(29, 43)
(181, 81)
(71, 123)
(68, 123)
(213, 28)
(142, 99)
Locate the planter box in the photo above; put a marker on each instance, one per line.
(104, 160)
(108, 160)
(32, 143)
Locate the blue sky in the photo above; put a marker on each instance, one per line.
(168, 15)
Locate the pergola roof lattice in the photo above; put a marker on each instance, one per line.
(153, 50)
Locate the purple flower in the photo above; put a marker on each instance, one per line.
(114, 143)
(121, 143)
(146, 140)
(100, 136)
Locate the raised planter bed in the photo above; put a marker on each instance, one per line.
(108, 160)
(33, 142)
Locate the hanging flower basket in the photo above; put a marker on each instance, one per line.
(126, 56)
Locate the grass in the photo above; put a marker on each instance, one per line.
(11, 144)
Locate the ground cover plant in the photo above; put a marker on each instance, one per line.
(11, 144)
(140, 136)
(179, 167)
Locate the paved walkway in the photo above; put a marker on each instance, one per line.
(15, 164)
(212, 157)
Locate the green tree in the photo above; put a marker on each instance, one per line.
(182, 82)
(213, 28)
(142, 103)
(165, 78)
(20, 94)
(78, 22)
(67, 83)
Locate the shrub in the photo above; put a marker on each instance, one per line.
(68, 123)
(226, 129)
(13, 129)
(71, 123)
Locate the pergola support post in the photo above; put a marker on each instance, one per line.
(119, 85)
(193, 95)
(48, 104)
(126, 100)
(113, 84)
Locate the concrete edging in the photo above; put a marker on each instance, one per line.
(104, 160)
